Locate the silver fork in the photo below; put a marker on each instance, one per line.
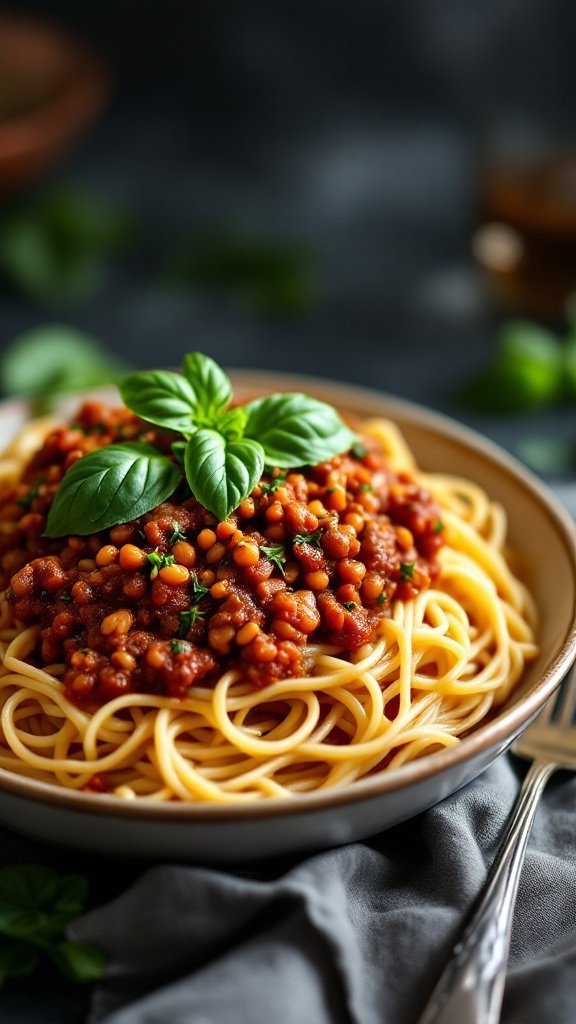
(471, 987)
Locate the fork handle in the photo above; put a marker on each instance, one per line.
(471, 987)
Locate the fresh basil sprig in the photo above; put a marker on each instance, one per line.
(36, 906)
(223, 452)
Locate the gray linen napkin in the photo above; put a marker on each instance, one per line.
(356, 935)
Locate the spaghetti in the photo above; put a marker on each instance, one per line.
(446, 645)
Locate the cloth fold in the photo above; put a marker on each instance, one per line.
(357, 935)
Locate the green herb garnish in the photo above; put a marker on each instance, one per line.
(179, 646)
(54, 360)
(36, 906)
(407, 570)
(308, 538)
(187, 619)
(272, 487)
(365, 487)
(381, 599)
(158, 562)
(350, 605)
(275, 554)
(56, 247)
(27, 499)
(176, 535)
(438, 527)
(198, 590)
(120, 482)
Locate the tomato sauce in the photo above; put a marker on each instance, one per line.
(175, 598)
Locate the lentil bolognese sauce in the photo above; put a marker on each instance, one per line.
(340, 618)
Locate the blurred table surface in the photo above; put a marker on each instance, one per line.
(384, 206)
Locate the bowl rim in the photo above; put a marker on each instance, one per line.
(496, 734)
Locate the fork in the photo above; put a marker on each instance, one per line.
(471, 987)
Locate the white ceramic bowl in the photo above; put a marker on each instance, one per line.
(217, 834)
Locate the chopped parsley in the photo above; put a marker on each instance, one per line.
(274, 484)
(407, 570)
(177, 534)
(188, 618)
(275, 554)
(159, 562)
(178, 646)
(308, 538)
(365, 487)
(198, 590)
(349, 605)
(27, 499)
(381, 599)
(438, 527)
(65, 597)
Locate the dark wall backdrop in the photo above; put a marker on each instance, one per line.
(354, 129)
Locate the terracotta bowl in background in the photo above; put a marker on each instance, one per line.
(51, 87)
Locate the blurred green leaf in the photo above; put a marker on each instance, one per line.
(55, 248)
(55, 359)
(269, 277)
(527, 372)
(37, 903)
(78, 960)
(36, 906)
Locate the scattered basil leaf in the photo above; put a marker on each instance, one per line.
(407, 570)
(297, 430)
(212, 387)
(79, 961)
(37, 902)
(36, 906)
(55, 359)
(162, 397)
(527, 372)
(56, 248)
(109, 486)
(222, 473)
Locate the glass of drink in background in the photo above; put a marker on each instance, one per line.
(525, 243)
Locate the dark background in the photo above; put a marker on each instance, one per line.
(355, 130)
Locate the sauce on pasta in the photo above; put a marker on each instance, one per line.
(346, 618)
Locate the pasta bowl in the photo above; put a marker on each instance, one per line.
(540, 533)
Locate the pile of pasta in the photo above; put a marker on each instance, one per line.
(439, 665)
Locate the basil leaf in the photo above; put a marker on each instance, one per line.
(232, 423)
(78, 960)
(53, 359)
(109, 486)
(36, 902)
(212, 387)
(222, 473)
(161, 397)
(297, 430)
